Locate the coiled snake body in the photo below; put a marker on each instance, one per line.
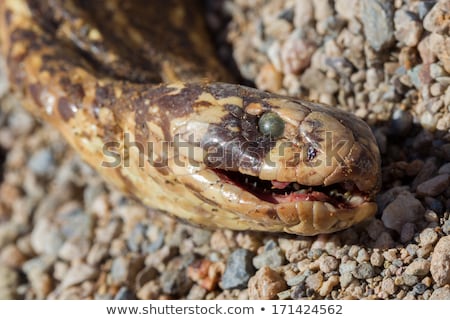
(132, 86)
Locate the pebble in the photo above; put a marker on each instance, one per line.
(377, 19)
(441, 294)
(304, 13)
(419, 267)
(12, 257)
(238, 270)
(272, 258)
(408, 28)
(376, 259)
(78, 273)
(46, 238)
(266, 284)
(405, 208)
(363, 271)
(438, 20)
(347, 9)
(41, 283)
(428, 237)
(174, 279)
(314, 281)
(42, 162)
(125, 268)
(269, 78)
(296, 54)
(150, 291)
(328, 285)
(9, 282)
(388, 286)
(434, 186)
(440, 262)
(328, 264)
(401, 122)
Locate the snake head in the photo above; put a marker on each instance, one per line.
(284, 164)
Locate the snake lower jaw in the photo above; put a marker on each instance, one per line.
(307, 211)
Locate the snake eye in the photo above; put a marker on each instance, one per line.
(271, 124)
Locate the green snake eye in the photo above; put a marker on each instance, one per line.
(271, 124)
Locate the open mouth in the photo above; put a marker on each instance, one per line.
(341, 196)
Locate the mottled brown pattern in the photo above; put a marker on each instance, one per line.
(95, 73)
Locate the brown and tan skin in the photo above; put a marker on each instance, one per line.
(132, 86)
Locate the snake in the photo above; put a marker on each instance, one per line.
(136, 88)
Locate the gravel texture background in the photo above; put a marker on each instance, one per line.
(64, 234)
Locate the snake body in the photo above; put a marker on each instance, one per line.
(134, 88)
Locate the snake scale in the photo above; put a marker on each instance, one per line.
(134, 87)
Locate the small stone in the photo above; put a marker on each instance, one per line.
(401, 122)
(125, 268)
(427, 48)
(377, 19)
(328, 285)
(408, 28)
(272, 258)
(347, 267)
(428, 236)
(269, 78)
(46, 238)
(363, 271)
(304, 13)
(388, 286)
(205, 273)
(376, 259)
(419, 267)
(347, 9)
(446, 227)
(436, 71)
(150, 291)
(424, 251)
(266, 284)
(328, 264)
(296, 54)
(174, 279)
(419, 288)
(440, 262)
(239, 269)
(97, 253)
(441, 294)
(314, 281)
(78, 273)
(407, 233)
(42, 162)
(315, 80)
(434, 186)
(345, 280)
(423, 7)
(437, 89)
(405, 208)
(409, 280)
(41, 283)
(136, 237)
(438, 19)
(8, 284)
(12, 257)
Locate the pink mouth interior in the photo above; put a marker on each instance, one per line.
(281, 192)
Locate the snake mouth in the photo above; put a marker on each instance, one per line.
(343, 195)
